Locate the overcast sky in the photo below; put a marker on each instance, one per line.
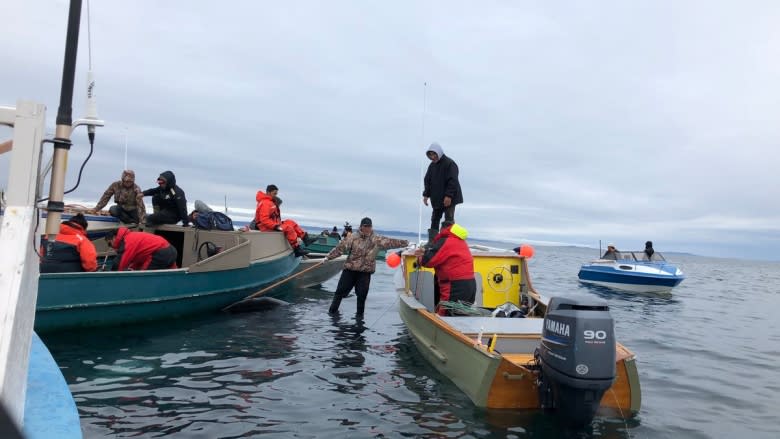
(571, 122)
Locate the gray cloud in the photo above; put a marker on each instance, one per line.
(572, 123)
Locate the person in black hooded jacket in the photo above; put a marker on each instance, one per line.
(168, 201)
(441, 187)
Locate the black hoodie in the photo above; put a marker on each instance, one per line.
(169, 198)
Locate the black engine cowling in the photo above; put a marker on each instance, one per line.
(577, 357)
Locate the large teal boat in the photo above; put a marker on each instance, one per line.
(245, 262)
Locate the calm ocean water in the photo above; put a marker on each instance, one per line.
(707, 356)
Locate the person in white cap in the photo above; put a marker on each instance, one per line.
(611, 252)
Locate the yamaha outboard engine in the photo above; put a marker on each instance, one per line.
(577, 357)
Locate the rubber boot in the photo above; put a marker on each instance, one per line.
(298, 251)
(334, 305)
(361, 307)
(431, 234)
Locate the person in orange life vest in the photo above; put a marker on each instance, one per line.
(450, 256)
(268, 218)
(71, 250)
(141, 250)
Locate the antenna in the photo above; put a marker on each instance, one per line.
(91, 109)
(422, 163)
(126, 132)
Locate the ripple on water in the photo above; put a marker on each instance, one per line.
(706, 356)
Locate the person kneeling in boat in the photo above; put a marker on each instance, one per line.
(141, 250)
(451, 257)
(611, 253)
(268, 218)
(129, 199)
(360, 264)
(71, 250)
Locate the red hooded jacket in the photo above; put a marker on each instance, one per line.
(450, 257)
(135, 249)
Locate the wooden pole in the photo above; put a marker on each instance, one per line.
(274, 285)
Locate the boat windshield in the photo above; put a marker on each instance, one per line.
(640, 256)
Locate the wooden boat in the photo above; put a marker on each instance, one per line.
(246, 262)
(560, 355)
(633, 272)
(326, 243)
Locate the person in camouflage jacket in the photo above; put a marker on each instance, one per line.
(361, 263)
(129, 199)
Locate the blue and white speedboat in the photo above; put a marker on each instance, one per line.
(632, 271)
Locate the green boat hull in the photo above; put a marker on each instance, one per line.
(324, 244)
(73, 300)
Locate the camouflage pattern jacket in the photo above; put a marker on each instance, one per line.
(363, 249)
(128, 198)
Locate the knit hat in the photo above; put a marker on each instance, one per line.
(366, 222)
(79, 220)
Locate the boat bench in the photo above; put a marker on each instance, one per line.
(517, 337)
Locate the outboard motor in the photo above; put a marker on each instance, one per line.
(577, 357)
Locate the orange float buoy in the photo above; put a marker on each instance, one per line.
(526, 251)
(393, 260)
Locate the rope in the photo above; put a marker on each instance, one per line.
(620, 409)
(462, 308)
(383, 313)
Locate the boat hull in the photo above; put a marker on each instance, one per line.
(633, 277)
(72, 300)
(503, 381)
(317, 276)
(324, 244)
(504, 377)
(49, 408)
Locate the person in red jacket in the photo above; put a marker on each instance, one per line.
(451, 257)
(71, 250)
(141, 250)
(268, 218)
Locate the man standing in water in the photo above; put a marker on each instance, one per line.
(441, 187)
(361, 263)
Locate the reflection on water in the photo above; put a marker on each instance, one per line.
(707, 368)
